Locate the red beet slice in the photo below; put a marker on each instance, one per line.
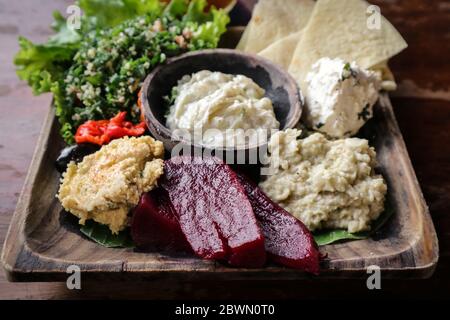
(154, 224)
(213, 210)
(287, 239)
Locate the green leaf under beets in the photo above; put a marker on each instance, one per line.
(103, 236)
(332, 236)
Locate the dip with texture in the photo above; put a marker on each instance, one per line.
(207, 104)
(325, 184)
(339, 97)
(108, 183)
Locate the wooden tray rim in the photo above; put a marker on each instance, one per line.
(17, 270)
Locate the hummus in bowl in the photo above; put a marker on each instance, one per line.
(221, 110)
(265, 82)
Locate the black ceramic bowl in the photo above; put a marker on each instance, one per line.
(280, 87)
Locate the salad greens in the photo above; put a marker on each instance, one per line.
(106, 14)
(97, 71)
(331, 236)
(102, 235)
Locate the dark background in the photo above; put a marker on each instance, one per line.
(422, 107)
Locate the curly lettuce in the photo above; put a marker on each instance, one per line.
(41, 64)
(102, 14)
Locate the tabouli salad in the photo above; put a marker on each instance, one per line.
(97, 71)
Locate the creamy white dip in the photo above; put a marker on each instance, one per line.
(221, 109)
(325, 183)
(339, 97)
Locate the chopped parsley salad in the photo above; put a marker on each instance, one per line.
(96, 72)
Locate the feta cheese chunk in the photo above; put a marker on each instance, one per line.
(339, 97)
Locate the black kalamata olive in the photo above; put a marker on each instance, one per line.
(75, 153)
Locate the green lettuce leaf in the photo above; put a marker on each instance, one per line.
(176, 8)
(210, 31)
(331, 236)
(106, 14)
(64, 35)
(40, 65)
(103, 236)
(196, 12)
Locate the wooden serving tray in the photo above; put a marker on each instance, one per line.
(43, 240)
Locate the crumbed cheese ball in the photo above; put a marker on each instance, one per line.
(108, 183)
(324, 183)
(339, 97)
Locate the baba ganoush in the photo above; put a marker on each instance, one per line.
(219, 109)
(107, 184)
(339, 97)
(324, 183)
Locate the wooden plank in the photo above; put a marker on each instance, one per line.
(43, 241)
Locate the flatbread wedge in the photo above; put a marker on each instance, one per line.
(340, 29)
(273, 20)
(281, 51)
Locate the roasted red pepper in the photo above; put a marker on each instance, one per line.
(103, 131)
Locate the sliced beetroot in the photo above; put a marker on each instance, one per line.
(287, 239)
(154, 224)
(213, 210)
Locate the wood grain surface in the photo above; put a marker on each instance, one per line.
(422, 106)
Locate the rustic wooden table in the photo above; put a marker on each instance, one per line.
(422, 106)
